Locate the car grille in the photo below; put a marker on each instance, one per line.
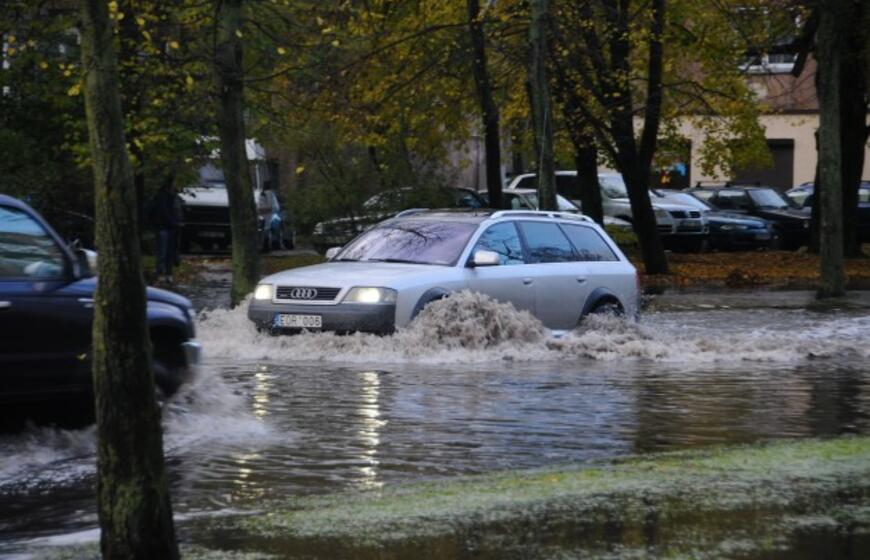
(307, 293)
(206, 214)
(690, 226)
(685, 214)
(665, 228)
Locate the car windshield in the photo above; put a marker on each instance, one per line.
(685, 199)
(768, 198)
(411, 241)
(565, 205)
(613, 186)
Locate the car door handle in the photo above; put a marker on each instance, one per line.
(527, 281)
(5, 304)
(581, 279)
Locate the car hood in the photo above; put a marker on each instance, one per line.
(794, 214)
(660, 205)
(87, 287)
(347, 274)
(736, 219)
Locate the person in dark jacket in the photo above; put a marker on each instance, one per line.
(166, 220)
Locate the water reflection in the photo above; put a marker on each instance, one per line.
(370, 429)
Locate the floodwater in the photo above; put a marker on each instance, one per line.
(472, 388)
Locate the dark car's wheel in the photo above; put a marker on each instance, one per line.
(166, 381)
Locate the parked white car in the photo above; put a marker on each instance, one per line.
(527, 199)
(675, 220)
(556, 265)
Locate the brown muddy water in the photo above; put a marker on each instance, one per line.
(273, 422)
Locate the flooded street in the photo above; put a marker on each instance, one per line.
(273, 419)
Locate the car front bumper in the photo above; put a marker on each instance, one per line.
(341, 318)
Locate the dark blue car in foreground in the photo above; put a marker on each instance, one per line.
(46, 314)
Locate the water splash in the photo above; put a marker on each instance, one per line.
(473, 328)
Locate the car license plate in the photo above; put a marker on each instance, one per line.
(288, 321)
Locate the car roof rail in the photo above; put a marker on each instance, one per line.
(541, 214)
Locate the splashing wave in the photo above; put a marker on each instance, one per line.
(473, 328)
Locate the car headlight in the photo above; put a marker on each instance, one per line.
(662, 213)
(263, 292)
(370, 295)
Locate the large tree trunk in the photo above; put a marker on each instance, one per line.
(542, 114)
(633, 161)
(488, 108)
(586, 161)
(853, 118)
(231, 124)
(829, 48)
(132, 491)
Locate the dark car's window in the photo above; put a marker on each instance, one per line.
(26, 250)
(768, 198)
(411, 241)
(733, 200)
(546, 243)
(589, 244)
(502, 239)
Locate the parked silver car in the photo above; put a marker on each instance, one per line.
(556, 265)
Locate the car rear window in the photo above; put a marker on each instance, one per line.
(588, 243)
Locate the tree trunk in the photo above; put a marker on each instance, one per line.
(132, 491)
(829, 48)
(542, 114)
(231, 124)
(633, 161)
(853, 119)
(488, 108)
(586, 161)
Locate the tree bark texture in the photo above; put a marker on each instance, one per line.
(488, 108)
(586, 162)
(231, 125)
(632, 160)
(829, 48)
(132, 491)
(539, 96)
(853, 116)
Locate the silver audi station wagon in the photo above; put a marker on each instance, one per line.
(558, 266)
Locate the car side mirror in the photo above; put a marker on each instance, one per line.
(86, 261)
(332, 252)
(482, 257)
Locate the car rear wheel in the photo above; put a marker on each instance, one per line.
(608, 307)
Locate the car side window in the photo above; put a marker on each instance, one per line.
(26, 249)
(733, 200)
(503, 239)
(590, 246)
(546, 243)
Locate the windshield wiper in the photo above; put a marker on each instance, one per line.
(399, 261)
(345, 260)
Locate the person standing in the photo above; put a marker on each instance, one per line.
(165, 218)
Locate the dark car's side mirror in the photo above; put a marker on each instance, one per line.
(86, 262)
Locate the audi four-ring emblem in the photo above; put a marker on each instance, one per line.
(303, 293)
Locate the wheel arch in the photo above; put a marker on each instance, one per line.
(600, 296)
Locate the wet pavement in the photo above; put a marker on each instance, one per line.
(274, 419)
